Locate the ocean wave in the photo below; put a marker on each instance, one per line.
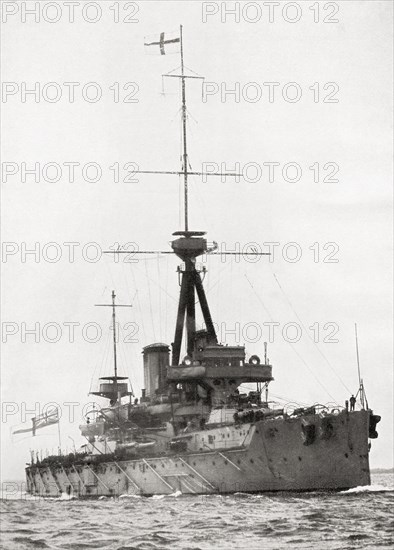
(191, 522)
(368, 489)
(62, 497)
(172, 495)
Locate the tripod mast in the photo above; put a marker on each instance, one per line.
(189, 244)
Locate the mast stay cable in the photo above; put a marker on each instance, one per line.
(290, 344)
(307, 332)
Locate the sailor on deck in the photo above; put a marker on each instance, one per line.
(352, 402)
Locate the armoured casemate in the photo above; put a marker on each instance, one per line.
(193, 430)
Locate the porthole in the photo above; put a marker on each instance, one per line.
(346, 455)
(251, 461)
(299, 458)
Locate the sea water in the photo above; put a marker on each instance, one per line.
(358, 518)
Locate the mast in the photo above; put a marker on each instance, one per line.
(360, 381)
(114, 334)
(358, 358)
(114, 393)
(189, 244)
(184, 117)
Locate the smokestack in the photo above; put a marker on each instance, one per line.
(156, 361)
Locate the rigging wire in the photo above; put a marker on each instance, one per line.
(157, 284)
(290, 344)
(196, 193)
(218, 297)
(104, 359)
(280, 397)
(106, 366)
(212, 286)
(110, 272)
(150, 302)
(191, 70)
(159, 293)
(192, 117)
(108, 363)
(124, 359)
(98, 361)
(166, 299)
(128, 369)
(195, 190)
(310, 337)
(136, 296)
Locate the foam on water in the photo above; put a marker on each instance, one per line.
(368, 489)
(159, 497)
(63, 496)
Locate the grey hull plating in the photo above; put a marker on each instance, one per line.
(274, 456)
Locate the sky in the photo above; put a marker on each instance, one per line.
(327, 127)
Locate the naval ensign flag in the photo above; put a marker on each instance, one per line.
(163, 44)
(46, 419)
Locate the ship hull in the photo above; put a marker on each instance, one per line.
(287, 454)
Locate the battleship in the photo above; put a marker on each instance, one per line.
(195, 429)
